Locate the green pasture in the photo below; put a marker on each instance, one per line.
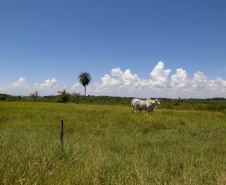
(106, 144)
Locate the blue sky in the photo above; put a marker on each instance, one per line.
(131, 48)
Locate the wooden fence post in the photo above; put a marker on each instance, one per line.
(62, 134)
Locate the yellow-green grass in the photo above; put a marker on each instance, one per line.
(110, 145)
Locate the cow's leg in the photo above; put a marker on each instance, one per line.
(136, 110)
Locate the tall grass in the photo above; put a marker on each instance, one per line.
(109, 145)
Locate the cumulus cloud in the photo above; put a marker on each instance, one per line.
(119, 82)
(222, 82)
(15, 88)
(75, 86)
(160, 84)
(20, 87)
(48, 87)
(20, 82)
(180, 79)
(160, 75)
(127, 84)
(48, 84)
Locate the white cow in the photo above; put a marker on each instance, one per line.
(148, 105)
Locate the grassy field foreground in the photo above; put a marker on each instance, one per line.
(109, 145)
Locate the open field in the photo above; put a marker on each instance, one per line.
(108, 145)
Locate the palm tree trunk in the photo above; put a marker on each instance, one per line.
(85, 95)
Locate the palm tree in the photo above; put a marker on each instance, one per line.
(84, 79)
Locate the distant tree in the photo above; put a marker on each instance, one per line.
(75, 97)
(84, 79)
(4, 97)
(34, 95)
(63, 97)
(49, 98)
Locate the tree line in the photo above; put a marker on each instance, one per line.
(66, 97)
(211, 104)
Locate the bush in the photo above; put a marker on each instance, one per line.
(76, 97)
(63, 97)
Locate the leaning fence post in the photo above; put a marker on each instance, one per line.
(62, 134)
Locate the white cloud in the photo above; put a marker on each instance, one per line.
(127, 84)
(48, 84)
(160, 75)
(20, 87)
(75, 86)
(222, 82)
(15, 88)
(121, 83)
(180, 79)
(201, 83)
(20, 82)
(49, 87)
(116, 72)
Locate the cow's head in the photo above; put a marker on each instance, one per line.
(157, 102)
